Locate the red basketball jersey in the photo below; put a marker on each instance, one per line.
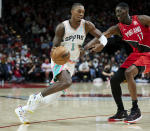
(136, 34)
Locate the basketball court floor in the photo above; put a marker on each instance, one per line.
(84, 107)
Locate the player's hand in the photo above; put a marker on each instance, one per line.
(52, 50)
(97, 48)
(87, 47)
(91, 43)
(81, 51)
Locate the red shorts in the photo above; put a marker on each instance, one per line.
(138, 59)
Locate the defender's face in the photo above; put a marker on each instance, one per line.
(121, 14)
(78, 13)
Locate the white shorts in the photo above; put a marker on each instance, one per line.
(56, 69)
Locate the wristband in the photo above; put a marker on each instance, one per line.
(103, 40)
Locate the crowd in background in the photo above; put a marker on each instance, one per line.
(26, 33)
(24, 66)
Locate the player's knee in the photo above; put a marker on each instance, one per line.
(128, 73)
(68, 83)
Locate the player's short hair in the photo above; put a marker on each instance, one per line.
(123, 5)
(75, 5)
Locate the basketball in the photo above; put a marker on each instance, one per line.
(60, 55)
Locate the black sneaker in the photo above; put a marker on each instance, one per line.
(119, 116)
(135, 115)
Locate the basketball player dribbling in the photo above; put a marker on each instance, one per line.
(71, 34)
(135, 30)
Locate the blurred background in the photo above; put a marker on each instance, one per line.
(27, 30)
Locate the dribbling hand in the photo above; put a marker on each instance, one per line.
(97, 48)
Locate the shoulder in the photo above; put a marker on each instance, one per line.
(60, 29)
(89, 26)
(144, 19)
(60, 26)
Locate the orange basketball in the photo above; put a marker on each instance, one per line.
(60, 55)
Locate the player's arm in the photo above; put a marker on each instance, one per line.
(59, 33)
(113, 30)
(144, 19)
(90, 28)
(96, 45)
(107, 74)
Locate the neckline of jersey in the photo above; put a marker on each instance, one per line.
(74, 28)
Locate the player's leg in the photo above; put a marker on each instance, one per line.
(130, 74)
(64, 81)
(115, 84)
(140, 65)
(21, 114)
(117, 94)
(47, 96)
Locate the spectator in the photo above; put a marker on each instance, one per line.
(84, 71)
(2, 72)
(34, 74)
(17, 75)
(106, 73)
(46, 68)
(9, 69)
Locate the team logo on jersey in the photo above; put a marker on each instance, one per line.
(73, 37)
(124, 29)
(133, 31)
(135, 23)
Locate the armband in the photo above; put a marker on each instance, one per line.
(103, 40)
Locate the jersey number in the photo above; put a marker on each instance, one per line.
(72, 49)
(140, 35)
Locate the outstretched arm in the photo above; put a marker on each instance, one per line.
(96, 44)
(113, 30)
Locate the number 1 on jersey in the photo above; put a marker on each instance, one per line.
(72, 49)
